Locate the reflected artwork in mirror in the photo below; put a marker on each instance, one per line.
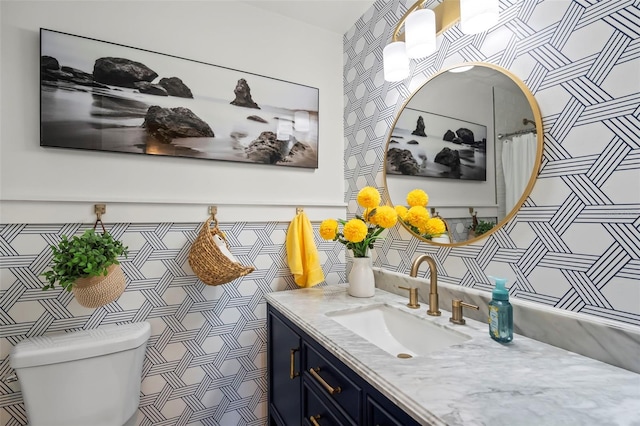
(423, 144)
(481, 130)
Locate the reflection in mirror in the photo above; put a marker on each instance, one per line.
(469, 140)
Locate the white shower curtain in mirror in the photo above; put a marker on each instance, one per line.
(518, 159)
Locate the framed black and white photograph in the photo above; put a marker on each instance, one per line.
(97, 95)
(433, 145)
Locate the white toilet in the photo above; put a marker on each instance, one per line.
(82, 378)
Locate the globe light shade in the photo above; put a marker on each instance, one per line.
(420, 33)
(395, 61)
(477, 16)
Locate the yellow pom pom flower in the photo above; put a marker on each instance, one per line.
(360, 233)
(417, 197)
(417, 216)
(355, 230)
(435, 226)
(401, 211)
(369, 217)
(369, 197)
(386, 216)
(329, 229)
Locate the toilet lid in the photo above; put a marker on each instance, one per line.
(62, 347)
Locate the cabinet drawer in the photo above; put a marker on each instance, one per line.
(322, 410)
(386, 414)
(332, 383)
(378, 416)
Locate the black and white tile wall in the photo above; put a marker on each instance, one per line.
(206, 358)
(575, 244)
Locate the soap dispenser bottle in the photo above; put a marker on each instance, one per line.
(500, 313)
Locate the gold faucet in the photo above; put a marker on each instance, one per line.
(413, 297)
(433, 288)
(456, 311)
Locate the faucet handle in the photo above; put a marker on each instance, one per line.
(413, 297)
(456, 311)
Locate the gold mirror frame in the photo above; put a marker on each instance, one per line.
(537, 118)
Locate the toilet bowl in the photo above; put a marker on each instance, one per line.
(82, 378)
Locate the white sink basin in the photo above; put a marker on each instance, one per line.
(397, 332)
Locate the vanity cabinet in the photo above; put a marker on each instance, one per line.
(309, 386)
(283, 364)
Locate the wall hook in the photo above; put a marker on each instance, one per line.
(99, 210)
(213, 211)
(299, 210)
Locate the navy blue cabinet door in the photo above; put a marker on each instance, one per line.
(288, 348)
(283, 352)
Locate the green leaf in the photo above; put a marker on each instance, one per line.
(81, 256)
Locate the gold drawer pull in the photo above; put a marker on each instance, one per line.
(292, 364)
(332, 391)
(313, 420)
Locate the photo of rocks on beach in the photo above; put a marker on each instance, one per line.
(432, 145)
(102, 96)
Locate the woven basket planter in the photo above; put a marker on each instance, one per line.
(208, 262)
(94, 292)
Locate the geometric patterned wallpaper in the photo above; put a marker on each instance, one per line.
(205, 362)
(575, 243)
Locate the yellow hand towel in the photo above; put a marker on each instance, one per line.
(302, 254)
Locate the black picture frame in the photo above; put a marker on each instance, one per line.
(425, 144)
(103, 96)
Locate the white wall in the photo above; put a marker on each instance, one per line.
(229, 34)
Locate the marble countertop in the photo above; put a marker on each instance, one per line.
(478, 382)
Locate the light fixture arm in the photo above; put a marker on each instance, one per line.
(414, 38)
(447, 14)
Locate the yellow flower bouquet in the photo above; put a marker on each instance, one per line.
(417, 218)
(359, 233)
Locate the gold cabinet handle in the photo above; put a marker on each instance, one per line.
(292, 364)
(314, 420)
(331, 390)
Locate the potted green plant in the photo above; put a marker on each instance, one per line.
(88, 265)
(480, 228)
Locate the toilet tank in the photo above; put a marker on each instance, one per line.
(81, 378)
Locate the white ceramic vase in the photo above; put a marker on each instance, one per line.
(361, 281)
(443, 239)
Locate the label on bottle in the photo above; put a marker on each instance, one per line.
(493, 321)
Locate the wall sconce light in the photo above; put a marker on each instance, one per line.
(420, 33)
(395, 62)
(418, 40)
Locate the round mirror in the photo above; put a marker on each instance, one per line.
(471, 138)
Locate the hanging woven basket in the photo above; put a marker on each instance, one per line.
(209, 263)
(94, 292)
